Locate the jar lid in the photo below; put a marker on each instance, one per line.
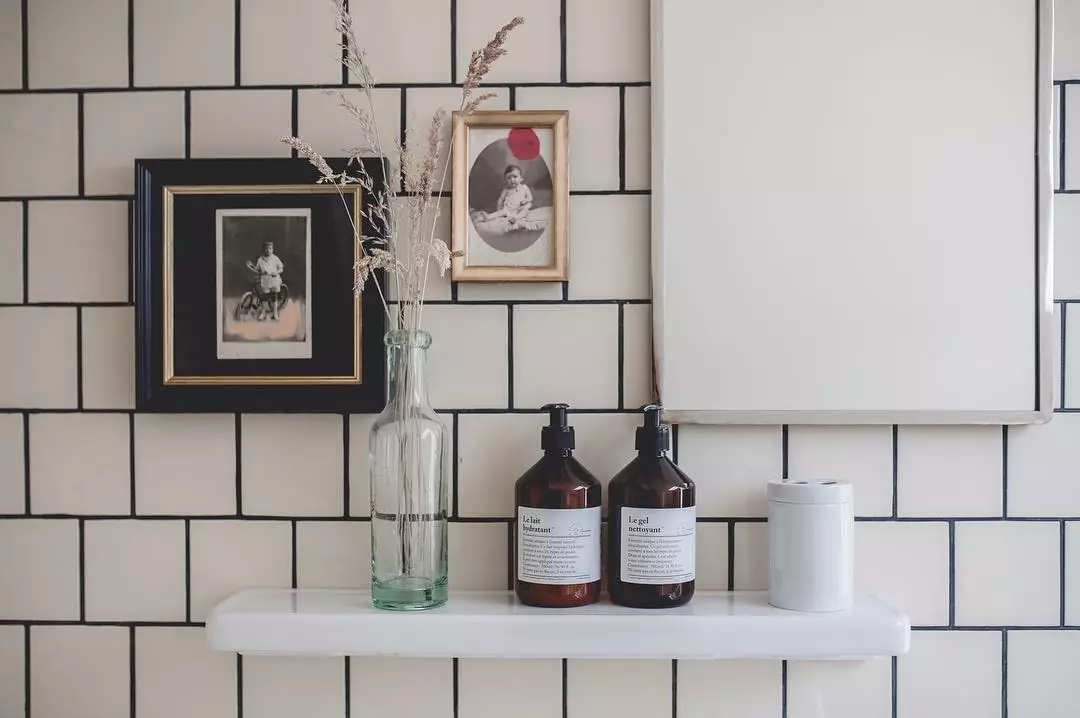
(814, 491)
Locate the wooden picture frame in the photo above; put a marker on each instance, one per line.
(511, 196)
(244, 289)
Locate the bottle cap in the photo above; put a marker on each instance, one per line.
(814, 491)
(652, 435)
(556, 436)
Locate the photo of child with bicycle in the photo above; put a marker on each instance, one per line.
(264, 282)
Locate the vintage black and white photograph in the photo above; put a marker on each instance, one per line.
(264, 283)
(509, 221)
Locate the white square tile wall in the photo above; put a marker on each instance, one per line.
(153, 518)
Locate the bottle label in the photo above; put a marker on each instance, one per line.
(558, 546)
(657, 545)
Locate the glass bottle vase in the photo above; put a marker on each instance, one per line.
(409, 486)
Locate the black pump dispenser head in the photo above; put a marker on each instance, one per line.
(556, 436)
(652, 435)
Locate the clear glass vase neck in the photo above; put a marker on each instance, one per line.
(406, 370)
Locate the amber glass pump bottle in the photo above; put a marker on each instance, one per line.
(652, 514)
(558, 523)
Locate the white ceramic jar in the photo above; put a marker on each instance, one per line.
(811, 545)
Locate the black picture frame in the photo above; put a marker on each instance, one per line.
(179, 290)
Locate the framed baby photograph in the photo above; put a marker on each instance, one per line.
(244, 289)
(511, 197)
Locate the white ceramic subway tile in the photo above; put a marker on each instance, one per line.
(438, 285)
(859, 454)
(80, 671)
(135, 570)
(546, 335)
(607, 41)
(82, 44)
(380, 27)
(615, 689)
(12, 465)
(638, 148)
(609, 249)
(637, 355)
(80, 464)
(1072, 573)
(359, 467)
(12, 670)
(1008, 573)
(388, 686)
(287, 687)
(292, 465)
(108, 354)
(533, 49)
(39, 560)
(949, 470)
(78, 251)
(751, 557)
(11, 67)
(950, 674)
(307, 29)
(731, 466)
(1042, 673)
(840, 689)
(711, 556)
(185, 464)
(184, 42)
(493, 451)
(11, 251)
(509, 291)
(113, 142)
(1072, 353)
(228, 556)
(747, 689)
(38, 371)
(594, 130)
(478, 554)
(178, 676)
(467, 361)
(39, 144)
(906, 564)
(1072, 131)
(333, 554)
(1042, 468)
(1066, 49)
(333, 131)
(422, 103)
(496, 688)
(240, 123)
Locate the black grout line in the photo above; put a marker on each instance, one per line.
(895, 663)
(454, 430)
(1005, 471)
(784, 452)
(454, 671)
(403, 130)
(131, 672)
(1064, 326)
(348, 686)
(1061, 138)
(562, 42)
(131, 462)
(236, 45)
(344, 83)
(622, 137)
(81, 119)
(453, 43)
(187, 124)
(1061, 575)
(187, 570)
(346, 488)
(565, 697)
(95, 90)
(1037, 264)
(512, 97)
(674, 688)
(26, 462)
(26, 660)
(131, 53)
(69, 305)
(503, 519)
(82, 570)
(784, 689)
(239, 453)
(622, 356)
(292, 525)
(895, 469)
(25, 17)
(111, 624)
(239, 665)
(1004, 674)
(731, 556)
(295, 118)
(952, 573)
(509, 356)
(445, 194)
(25, 250)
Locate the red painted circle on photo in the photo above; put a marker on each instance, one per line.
(524, 144)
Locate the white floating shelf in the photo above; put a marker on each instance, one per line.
(492, 624)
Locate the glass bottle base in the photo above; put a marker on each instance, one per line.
(408, 594)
